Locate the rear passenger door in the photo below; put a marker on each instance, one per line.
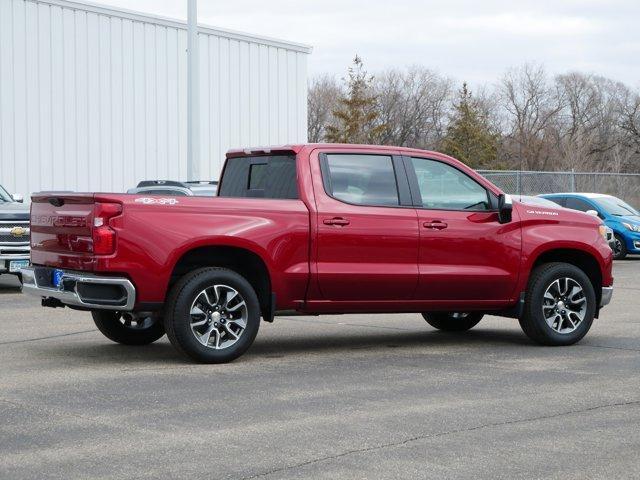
(367, 232)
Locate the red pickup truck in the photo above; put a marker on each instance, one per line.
(317, 229)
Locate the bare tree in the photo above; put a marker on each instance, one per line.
(591, 124)
(414, 106)
(630, 124)
(322, 100)
(573, 121)
(531, 105)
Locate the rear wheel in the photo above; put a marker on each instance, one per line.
(560, 304)
(128, 328)
(619, 248)
(212, 315)
(453, 321)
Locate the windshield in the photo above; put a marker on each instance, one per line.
(4, 196)
(615, 206)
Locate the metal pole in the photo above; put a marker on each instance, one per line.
(193, 110)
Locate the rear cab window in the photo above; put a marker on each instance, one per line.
(264, 176)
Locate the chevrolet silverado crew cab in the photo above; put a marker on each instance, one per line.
(317, 229)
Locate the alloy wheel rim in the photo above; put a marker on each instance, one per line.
(617, 247)
(218, 317)
(564, 305)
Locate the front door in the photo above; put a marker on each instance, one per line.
(367, 232)
(465, 253)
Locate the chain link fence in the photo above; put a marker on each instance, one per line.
(622, 185)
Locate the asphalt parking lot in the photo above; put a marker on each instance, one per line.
(352, 396)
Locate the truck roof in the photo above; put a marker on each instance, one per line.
(297, 147)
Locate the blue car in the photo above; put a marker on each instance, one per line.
(618, 215)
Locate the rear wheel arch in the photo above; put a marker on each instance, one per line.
(241, 260)
(585, 261)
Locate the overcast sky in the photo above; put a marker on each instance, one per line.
(473, 40)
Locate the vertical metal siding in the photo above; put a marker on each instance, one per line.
(94, 99)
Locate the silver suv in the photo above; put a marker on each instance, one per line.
(204, 188)
(14, 233)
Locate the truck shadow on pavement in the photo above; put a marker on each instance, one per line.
(384, 341)
(419, 343)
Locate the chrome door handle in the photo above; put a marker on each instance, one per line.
(338, 221)
(435, 225)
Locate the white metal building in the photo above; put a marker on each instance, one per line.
(93, 98)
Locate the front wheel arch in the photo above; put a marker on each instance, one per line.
(578, 258)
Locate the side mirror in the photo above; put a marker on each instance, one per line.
(593, 213)
(17, 197)
(505, 208)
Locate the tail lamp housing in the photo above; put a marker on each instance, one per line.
(104, 236)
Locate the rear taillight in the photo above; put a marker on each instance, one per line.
(104, 237)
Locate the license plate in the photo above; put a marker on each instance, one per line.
(57, 277)
(17, 265)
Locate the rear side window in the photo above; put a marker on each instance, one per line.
(260, 177)
(361, 179)
(578, 204)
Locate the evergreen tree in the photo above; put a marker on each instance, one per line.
(469, 137)
(356, 116)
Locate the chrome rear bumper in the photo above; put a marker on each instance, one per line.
(81, 289)
(607, 292)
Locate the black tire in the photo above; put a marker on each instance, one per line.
(122, 328)
(620, 248)
(453, 321)
(178, 316)
(533, 321)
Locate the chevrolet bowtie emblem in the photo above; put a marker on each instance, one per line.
(18, 232)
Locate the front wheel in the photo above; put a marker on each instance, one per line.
(452, 321)
(560, 304)
(128, 328)
(212, 315)
(619, 248)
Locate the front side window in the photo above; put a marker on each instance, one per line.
(562, 201)
(361, 179)
(578, 204)
(443, 187)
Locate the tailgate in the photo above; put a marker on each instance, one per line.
(61, 230)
